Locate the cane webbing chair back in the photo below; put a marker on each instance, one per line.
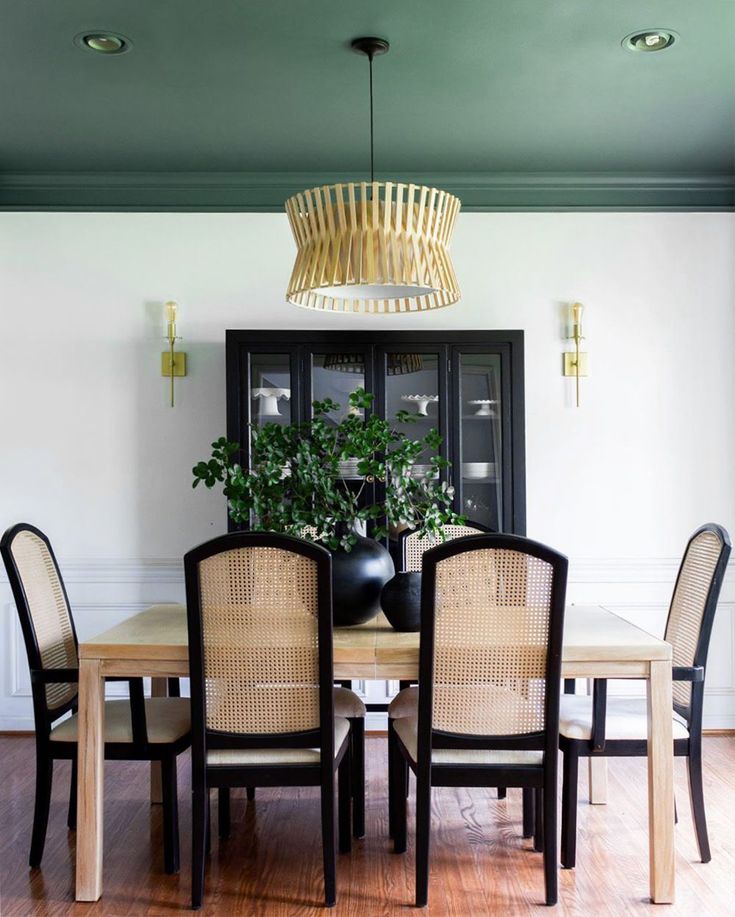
(695, 596)
(260, 641)
(46, 609)
(414, 547)
(491, 637)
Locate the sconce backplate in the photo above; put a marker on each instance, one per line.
(570, 364)
(179, 364)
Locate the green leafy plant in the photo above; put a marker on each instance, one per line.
(296, 483)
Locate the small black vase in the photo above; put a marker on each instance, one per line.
(357, 579)
(401, 601)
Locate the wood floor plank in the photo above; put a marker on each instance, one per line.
(271, 865)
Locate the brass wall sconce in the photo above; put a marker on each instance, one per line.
(173, 363)
(575, 361)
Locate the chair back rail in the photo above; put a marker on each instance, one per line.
(688, 628)
(43, 608)
(259, 611)
(491, 644)
(693, 605)
(49, 632)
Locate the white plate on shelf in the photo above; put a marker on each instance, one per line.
(474, 471)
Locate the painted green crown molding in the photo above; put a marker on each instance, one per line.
(266, 191)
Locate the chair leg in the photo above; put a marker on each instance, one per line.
(357, 751)
(208, 823)
(344, 794)
(392, 777)
(223, 812)
(169, 791)
(329, 847)
(551, 876)
(198, 843)
(696, 795)
(528, 814)
(569, 791)
(71, 819)
(399, 801)
(538, 836)
(251, 793)
(44, 777)
(502, 792)
(423, 831)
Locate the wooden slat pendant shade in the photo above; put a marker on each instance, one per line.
(375, 247)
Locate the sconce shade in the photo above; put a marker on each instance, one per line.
(373, 247)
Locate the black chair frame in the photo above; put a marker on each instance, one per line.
(540, 778)
(598, 746)
(206, 776)
(140, 749)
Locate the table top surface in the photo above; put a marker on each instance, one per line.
(591, 633)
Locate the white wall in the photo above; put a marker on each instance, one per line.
(91, 452)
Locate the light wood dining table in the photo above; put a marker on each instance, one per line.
(597, 644)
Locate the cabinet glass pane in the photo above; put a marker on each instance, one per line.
(270, 388)
(335, 375)
(479, 477)
(412, 384)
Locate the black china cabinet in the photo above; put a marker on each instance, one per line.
(468, 384)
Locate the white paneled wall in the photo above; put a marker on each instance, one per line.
(91, 453)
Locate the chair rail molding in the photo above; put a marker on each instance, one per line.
(104, 591)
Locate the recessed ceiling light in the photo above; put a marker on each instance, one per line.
(650, 40)
(103, 42)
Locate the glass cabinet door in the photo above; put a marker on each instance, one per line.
(335, 375)
(478, 455)
(413, 379)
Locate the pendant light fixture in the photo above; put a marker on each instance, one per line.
(373, 247)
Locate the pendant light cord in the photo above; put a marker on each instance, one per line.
(372, 124)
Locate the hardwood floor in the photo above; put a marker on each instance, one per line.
(272, 863)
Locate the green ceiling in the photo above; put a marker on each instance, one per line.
(529, 104)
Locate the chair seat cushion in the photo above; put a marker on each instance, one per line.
(347, 703)
(626, 718)
(167, 719)
(405, 703)
(407, 731)
(252, 757)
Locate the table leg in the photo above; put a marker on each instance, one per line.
(91, 752)
(159, 688)
(597, 772)
(660, 784)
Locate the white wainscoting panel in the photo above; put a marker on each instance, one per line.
(103, 592)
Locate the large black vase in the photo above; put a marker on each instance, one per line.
(358, 577)
(401, 601)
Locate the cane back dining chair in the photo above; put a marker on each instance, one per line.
(259, 611)
(349, 706)
(411, 549)
(492, 614)
(136, 729)
(598, 726)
